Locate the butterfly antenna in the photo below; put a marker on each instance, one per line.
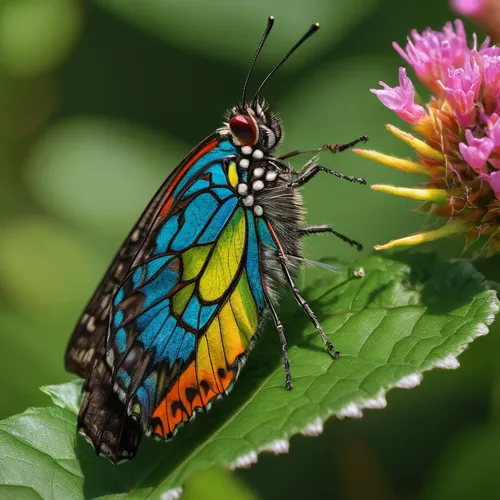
(270, 23)
(310, 32)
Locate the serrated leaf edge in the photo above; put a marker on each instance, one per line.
(355, 410)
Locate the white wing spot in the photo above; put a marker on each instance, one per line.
(135, 235)
(91, 324)
(248, 201)
(258, 186)
(258, 210)
(258, 172)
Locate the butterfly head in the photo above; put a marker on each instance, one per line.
(255, 125)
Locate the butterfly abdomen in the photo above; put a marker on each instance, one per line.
(284, 212)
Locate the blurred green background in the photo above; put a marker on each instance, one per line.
(100, 100)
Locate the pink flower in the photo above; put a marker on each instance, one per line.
(401, 99)
(477, 152)
(432, 52)
(468, 7)
(464, 107)
(462, 87)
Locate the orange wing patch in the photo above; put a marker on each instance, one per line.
(216, 364)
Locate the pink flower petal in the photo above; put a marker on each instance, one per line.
(477, 152)
(401, 99)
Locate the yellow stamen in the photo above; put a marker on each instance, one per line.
(436, 195)
(394, 162)
(447, 230)
(420, 146)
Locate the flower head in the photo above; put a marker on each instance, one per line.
(459, 128)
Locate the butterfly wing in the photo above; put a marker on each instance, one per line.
(182, 318)
(89, 336)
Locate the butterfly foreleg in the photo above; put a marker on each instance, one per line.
(284, 349)
(305, 176)
(310, 230)
(333, 148)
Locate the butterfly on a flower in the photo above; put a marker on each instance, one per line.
(173, 320)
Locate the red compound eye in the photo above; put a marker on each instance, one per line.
(244, 129)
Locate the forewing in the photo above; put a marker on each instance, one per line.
(88, 338)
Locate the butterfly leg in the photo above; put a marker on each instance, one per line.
(305, 176)
(307, 309)
(333, 148)
(284, 349)
(282, 259)
(308, 231)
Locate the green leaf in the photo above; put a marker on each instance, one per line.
(408, 314)
(65, 395)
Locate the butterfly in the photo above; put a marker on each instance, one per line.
(173, 320)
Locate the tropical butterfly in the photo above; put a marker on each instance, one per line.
(176, 314)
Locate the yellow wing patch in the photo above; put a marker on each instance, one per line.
(244, 309)
(225, 259)
(232, 174)
(193, 260)
(181, 298)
